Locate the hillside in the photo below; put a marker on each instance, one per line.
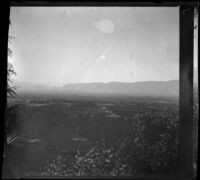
(145, 88)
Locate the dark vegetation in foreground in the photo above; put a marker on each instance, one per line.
(92, 136)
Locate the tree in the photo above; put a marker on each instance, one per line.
(10, 111)
(11, 90)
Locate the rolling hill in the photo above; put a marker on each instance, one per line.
(144, 88)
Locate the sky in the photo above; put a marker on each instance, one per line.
(62, 45)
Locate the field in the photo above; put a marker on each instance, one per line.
(88, 135)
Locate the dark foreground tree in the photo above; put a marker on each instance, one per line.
(10, 116)
(11, 90)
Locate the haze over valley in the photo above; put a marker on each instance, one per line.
(148, 88)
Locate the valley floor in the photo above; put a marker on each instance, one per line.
(46, 131)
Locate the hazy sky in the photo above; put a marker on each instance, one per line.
(60, 45)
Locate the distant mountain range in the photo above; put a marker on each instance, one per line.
(143, 88)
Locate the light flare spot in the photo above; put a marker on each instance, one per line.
(105, 26)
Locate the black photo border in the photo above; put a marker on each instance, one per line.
(186, 31)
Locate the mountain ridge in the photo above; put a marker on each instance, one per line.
(140, 88)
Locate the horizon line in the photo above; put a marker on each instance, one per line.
(95, 82)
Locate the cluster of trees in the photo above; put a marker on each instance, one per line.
(150, 146)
